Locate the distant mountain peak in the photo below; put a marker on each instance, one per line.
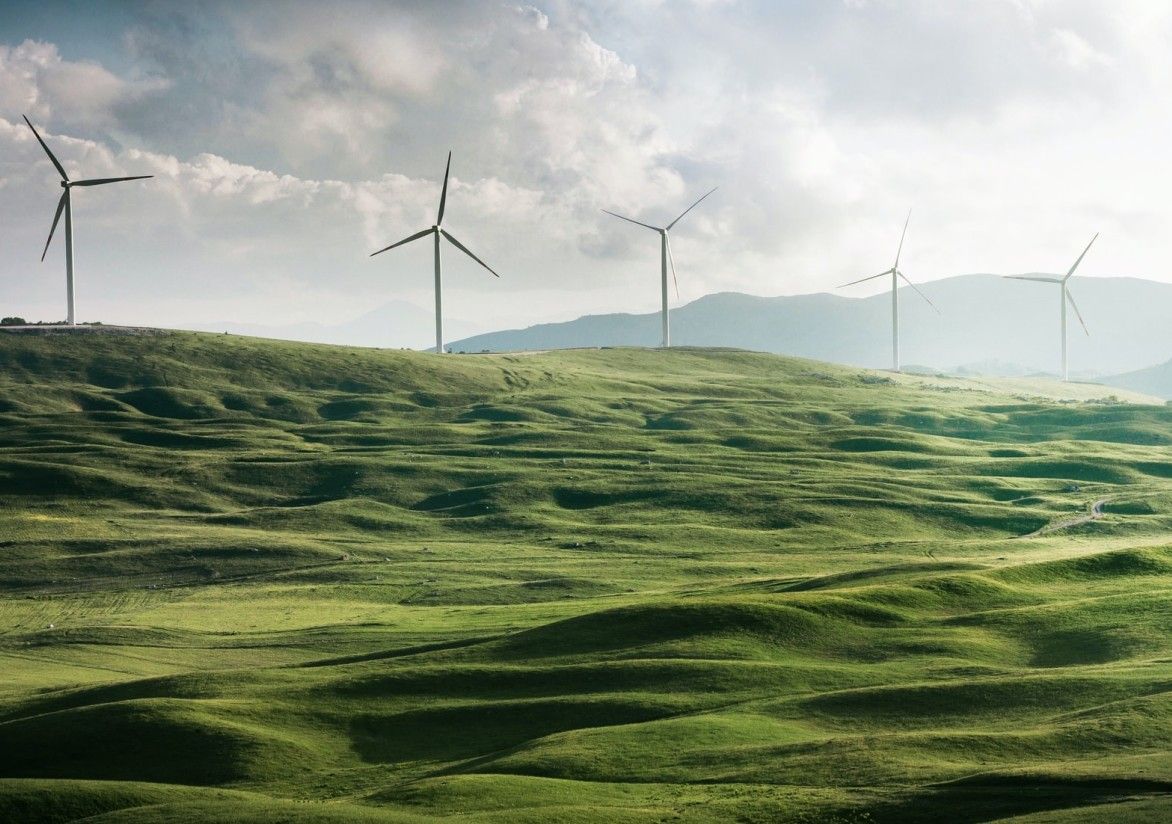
(987, 325)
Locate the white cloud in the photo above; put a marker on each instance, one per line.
(207, 225)
(36, 81)
(539, 18)
(308, 135)
(1076, 52)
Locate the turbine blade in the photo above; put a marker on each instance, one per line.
(1078, 314)
(1080, 257)
(918, 291)
(45, 146)
(415, 236)
(864, 280)
(899, 251)
(1035, 279)
(467, 251)
(672, 261)
(444, 193)
(690, 208)
(99, 181)
(53, 228)
(629, 220)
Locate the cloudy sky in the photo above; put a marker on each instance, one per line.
(288, 140)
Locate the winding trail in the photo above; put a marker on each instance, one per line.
(1093, 514)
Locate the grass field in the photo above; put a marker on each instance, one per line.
(253, 581)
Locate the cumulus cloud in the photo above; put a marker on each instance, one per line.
(208, 225)
(37, 81)
(290, 140)
(1076, 52)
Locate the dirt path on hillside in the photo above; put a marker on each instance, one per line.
(1093, 514)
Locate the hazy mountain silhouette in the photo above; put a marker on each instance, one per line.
(987, 324)
(1155, 380)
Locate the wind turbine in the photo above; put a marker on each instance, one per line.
(439, 232)
(896, 274)
(1063, 299)
(65, 205)
(664, 259)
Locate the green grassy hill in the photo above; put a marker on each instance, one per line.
(248, 581)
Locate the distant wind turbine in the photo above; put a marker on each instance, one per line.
(664, 259)
(896, 274)
(65, 205)
(1064, 298)
(439, 232)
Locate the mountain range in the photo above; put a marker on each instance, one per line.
(985, 324)
(1154, 380)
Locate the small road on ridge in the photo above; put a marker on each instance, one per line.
(1093, 514)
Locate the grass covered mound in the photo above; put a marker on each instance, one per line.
(244, 580)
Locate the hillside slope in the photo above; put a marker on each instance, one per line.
(244, 580)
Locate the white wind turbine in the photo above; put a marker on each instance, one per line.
(65, 205)
(896, 274)
(664, 259)
(439, 232)
(1063, 299)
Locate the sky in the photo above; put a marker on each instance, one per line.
(289, 140)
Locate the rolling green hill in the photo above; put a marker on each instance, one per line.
(251, 581)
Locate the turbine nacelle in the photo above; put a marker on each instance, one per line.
(896, 276)
(666, 258)
(438, 231)
(1066, 298)
(63, 206)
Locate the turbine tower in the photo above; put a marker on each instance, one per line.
(1064, 298)
(439, 232)
(665, 258)
(896, 274)
(65, 204)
